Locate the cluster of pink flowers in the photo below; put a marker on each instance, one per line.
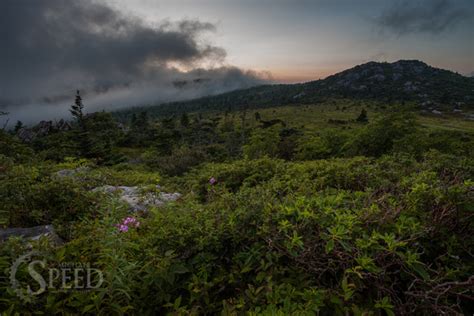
(212, 181)
(127, 223)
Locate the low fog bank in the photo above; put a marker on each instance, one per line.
(54, 47)
(191, 85)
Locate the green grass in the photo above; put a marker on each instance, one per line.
(315, 117)
(447, 122)
(292, 225)
(312, 117)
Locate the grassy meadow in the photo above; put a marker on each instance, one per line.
(292, 210)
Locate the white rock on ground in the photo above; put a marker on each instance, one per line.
(137, 200)
(31, 233)
(65, 173)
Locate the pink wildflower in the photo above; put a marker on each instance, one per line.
(129, 220)
(123, 228)
(212, 181)
(127, 223)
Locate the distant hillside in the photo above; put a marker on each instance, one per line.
(409, 80)
(404, 80)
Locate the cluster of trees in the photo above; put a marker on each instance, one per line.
(375, 219)
(92, 135)
(177, 143)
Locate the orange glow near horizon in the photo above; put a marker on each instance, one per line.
(300, 76)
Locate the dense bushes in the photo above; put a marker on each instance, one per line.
(327, 144)
(372, 220)
(31, 196)
(389, 235)
(263, 142)
(13, 148)
(180, 161)
(397, 132)
(378, 138)
(38, 195)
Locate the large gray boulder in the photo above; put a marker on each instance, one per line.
(137, 198)
(31, 233)
(43, 128)
(67, 173)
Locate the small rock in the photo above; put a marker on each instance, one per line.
(31, 233)
(70, 172)
(136, 200)
(397, 76)
(377, 77)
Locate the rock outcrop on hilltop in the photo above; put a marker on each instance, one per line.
(41, 129)
(401, 81)
(404, 80)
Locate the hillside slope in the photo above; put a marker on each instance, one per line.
(404, 80)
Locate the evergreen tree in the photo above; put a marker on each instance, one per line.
(82, 136)
(184, 120)
(168, 123)
(362, 117)
(258, 118)
(141, 131)
(7, 120)
(142, 121)
(18, 126)
(77, 109)
(133, 121)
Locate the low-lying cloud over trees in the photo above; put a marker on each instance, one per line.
(50, 48)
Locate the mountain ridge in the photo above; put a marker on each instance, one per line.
(400, 81)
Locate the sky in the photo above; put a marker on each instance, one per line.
(122, 53)
(298, 40)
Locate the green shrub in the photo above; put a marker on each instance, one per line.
(341, 236)
(379, 137)
(372, 221)
(327, 144)
(11, 147)
(32, 197)
(180, 161)
(263, 142)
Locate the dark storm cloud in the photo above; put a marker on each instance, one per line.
(49, 48)
(422, 16)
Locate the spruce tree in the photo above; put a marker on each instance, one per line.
(77, 109)
(184, 120)
(133, 121)
(82, 136)
(6, 121)
(18, 126)
(258, 118)
(362, 117)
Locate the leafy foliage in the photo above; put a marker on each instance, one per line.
(276, 219)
